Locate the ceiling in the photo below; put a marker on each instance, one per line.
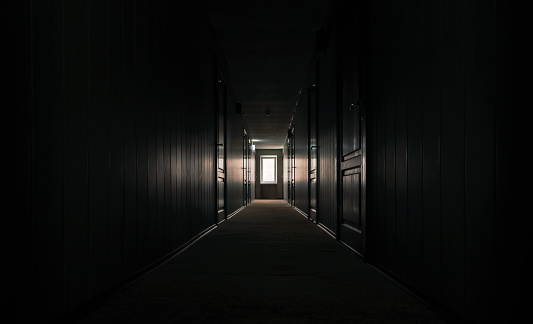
(268, 45)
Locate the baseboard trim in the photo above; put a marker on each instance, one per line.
(235, 212)
(447, 314)
(300, 211)
(327, 230)
(352, 249)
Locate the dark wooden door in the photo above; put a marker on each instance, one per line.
(288, 188)
(221, 152)
(352, 155)
(312, 151)
(292, 166)
(248, 172)
(245, 169)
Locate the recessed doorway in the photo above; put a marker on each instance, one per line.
(269, 174)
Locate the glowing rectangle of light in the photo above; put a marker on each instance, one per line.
(268, 169)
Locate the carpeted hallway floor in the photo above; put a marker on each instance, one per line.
(267, 264)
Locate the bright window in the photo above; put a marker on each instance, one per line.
(269, 169)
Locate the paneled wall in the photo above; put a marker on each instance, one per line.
(117, 142)
(327, 130)
(301, 124)
(442, 211)
(435, 168)
(15, 233)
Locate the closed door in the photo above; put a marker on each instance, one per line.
(249, 172)
(292, 166)
(312, 152)
(221, 153)
(352, 155)
(245, 168)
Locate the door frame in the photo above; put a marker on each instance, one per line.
(220, 173)
(354, 238)
(245, 168)
(312, 92)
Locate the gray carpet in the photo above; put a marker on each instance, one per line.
(267, 264)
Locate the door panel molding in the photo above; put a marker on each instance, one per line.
(352, 131)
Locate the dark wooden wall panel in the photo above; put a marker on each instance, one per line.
(168, 95)
(75, 213)
(376, 152)
(452, 155)
(512, 237)
(402, 73)
(433, 158)
(327, 136)
(122, 148)
(414, 143)
(97, 120)
(20, 178)
(180, 223)
(301, 135)
(174, 126)
(205, 71)
(136, 39)
(159, 160)
(372, 155)
(188, 194)
(431, 116)
(479, 158)
(48, 158)
(389, 131)
(115, 144)
(130, 142)
(150, 231)
(157, 90)
(180, 209)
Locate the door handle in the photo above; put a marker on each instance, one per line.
(356, 104)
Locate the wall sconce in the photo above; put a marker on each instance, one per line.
(268, 112)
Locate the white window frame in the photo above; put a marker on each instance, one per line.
(269, 157)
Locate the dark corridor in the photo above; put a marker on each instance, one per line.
(138, 125)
